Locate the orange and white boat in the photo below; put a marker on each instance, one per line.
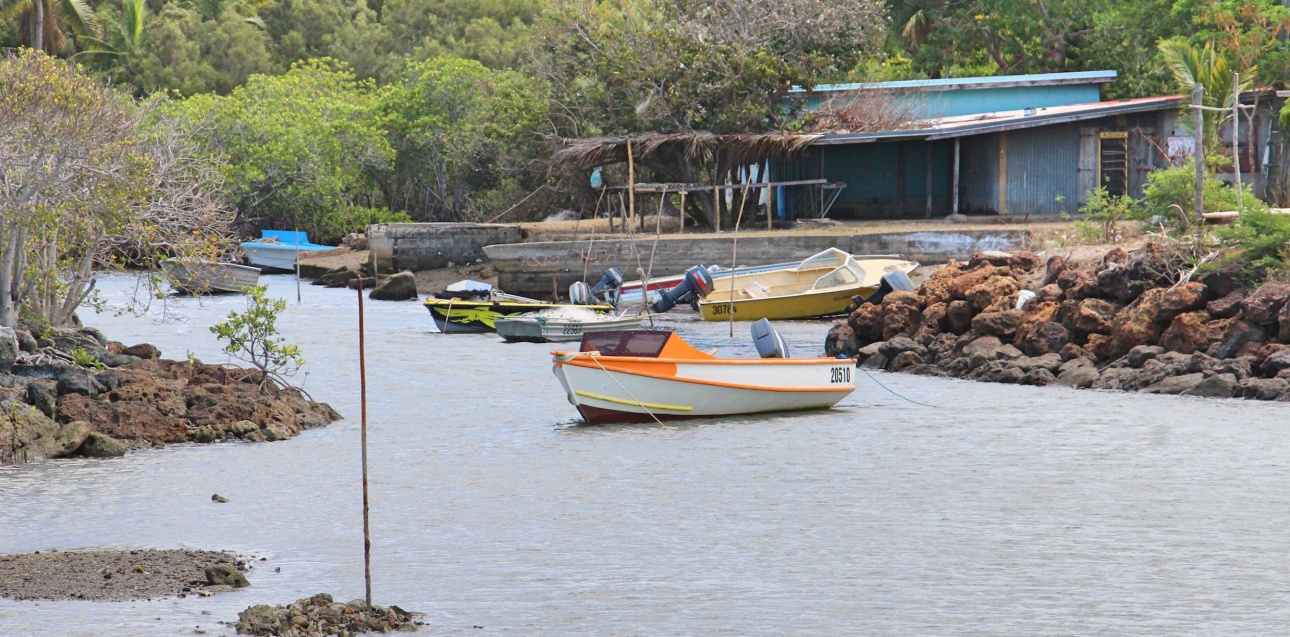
(640, 376)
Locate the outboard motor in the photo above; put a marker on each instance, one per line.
(697, 282)
(891, 281)
(768, 341)
(612, 279)
(580, 294)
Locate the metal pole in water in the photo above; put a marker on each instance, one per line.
(297, 266)
(362, 393)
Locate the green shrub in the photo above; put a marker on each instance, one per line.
(82, 358)
(252, 336)
(1262, 241)
(1103, 214)
(1177, 187)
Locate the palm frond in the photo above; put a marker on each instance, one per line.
(11, 8)
(134, 12)
(1183, 62)
(80, 17)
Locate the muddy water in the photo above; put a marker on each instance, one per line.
(1000, 511)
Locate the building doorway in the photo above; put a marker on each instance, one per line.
(1113, 162)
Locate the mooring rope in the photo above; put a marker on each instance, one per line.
(866, 373)
(629, 393)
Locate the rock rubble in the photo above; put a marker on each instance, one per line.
(1118, 323)
(321, 615)
(53, 408)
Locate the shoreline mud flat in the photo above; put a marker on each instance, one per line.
(119, 575)
(1118, 320)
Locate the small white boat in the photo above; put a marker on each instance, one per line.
(640, 376)
(195, 276)
(276, 250)
(561, 324)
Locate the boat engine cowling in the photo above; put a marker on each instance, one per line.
(891, 281)
(612, 279)
(580, 294)
(768, 341)
(697, 282)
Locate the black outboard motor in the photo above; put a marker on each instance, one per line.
(768, 341)
(891, 281)
(697, 282)
(612, 279)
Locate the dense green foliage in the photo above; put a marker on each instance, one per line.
(1262, 240)
(327, 113)
(1177, 187)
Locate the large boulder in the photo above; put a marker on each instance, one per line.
(1283, 322)
(937, 287)
(101, 445)
(1226, 306)
(901, 314)
(1263, 388)
(961, 284)
(1038, 339)
(9, 348)
(1136, 324)
(1079, 372)
(400, 287)
(1263, 305)
(1237, 336)
(1175, 384)
(1002, 324)
(988, 348)
(841, 340)
(1054, 268)
(988, 292)
(1216, 386)
(1093, 316)
(866, 323)
(1273, 364)
(958, 314)
(1187, 333)
(1188, 297)
(25, 433)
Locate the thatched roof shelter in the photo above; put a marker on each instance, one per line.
(580, 155)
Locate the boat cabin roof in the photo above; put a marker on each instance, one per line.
(845, 270)
(641, 344)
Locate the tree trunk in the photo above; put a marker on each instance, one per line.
(38, 19)
(8, 307)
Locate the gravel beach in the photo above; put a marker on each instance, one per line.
(112, 576)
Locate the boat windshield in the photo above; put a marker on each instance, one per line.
(831, 258)
(628, 343)
(849, 274)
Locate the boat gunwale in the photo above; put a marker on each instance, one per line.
(719, 383)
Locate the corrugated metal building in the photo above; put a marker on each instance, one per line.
(1002, 145)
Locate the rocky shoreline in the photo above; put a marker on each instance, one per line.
(115, 576)
(1123, 320)
(120, 398)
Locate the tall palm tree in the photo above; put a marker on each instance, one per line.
(45, 23)
(120, 38)
(1209, 68)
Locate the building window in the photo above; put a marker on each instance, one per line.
(1113, 162)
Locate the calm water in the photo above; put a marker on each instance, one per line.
(1002, 511)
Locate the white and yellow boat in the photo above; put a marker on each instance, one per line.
(640, 376)
(821, 285)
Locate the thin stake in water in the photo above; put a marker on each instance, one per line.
(362, 393)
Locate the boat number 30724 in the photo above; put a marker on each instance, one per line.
(840, 375)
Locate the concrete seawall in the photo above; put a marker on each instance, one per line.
(429, 246)
(535, 269)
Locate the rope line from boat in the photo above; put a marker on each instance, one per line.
(893, 392)
(629, 392)
(734, 253)
(447, 317)
(658, 232)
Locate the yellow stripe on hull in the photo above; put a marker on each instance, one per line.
(798, 306)
(610, 399)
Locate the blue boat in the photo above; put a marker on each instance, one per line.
(277, 249)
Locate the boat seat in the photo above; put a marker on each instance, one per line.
(757, 291)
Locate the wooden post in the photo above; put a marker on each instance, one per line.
(929, 179)
(954, 205)
(716, 200)
(770, 203)
(681, 229)
(362, 394)
(631, 184)
(1236, 136)
(1199, 150)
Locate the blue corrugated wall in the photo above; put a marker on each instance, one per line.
(1043, 164)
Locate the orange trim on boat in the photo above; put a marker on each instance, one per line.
(612, 366)
(715, 361)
